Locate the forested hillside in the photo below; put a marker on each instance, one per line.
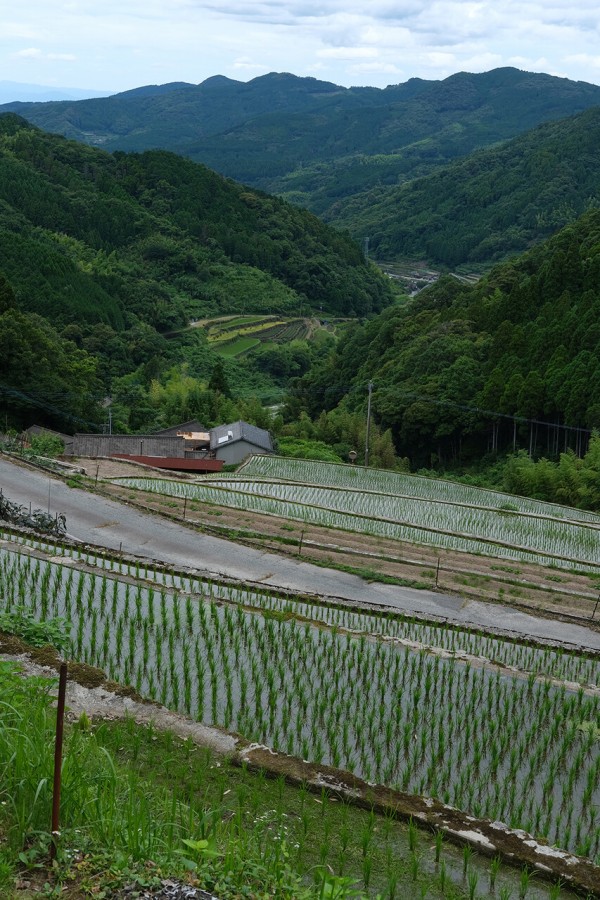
(510, 363)
(116, 251)
(317, 143)
(493, 203)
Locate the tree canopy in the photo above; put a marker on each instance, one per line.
(511, 362)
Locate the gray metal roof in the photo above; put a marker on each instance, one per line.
(240, 431)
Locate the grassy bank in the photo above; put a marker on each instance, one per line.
(140, 805)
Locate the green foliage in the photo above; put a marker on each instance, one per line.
(7, 295)
(178, 396)
(304, 448)
(45, 376)
(571, 481)
(161, 237)
(46, 444)
(333, 435)
(465, 371)
(21, 622)
(218, 380)
(126, 817)
(491, 204)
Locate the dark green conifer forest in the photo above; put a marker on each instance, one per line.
(470, 372)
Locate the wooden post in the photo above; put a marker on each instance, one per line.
(60, 723)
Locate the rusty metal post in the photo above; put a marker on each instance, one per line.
(60, 722)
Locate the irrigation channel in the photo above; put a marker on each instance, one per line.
(494, 727)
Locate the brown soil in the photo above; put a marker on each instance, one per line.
(106, 467)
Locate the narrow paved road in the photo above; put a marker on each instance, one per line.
(96, 520)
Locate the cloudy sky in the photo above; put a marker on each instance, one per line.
(114, 45)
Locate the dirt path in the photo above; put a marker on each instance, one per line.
(100, 698)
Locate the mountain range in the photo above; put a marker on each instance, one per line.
(106, 257)
(344, 153)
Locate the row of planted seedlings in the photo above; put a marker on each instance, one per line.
(517, 749)
(246, 815)
(552, 534)
(519, 536)
(342, 475)
(555, 662)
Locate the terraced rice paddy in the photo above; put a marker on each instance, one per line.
(237, 335)
(403, 507)
(493, 727)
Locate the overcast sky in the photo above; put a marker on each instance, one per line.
(114, 45)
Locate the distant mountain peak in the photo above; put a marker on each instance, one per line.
(151, 90)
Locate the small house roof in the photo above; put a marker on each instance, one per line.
(240, 431)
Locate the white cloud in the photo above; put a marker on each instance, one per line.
(244, 63)
(347, 52)
(118, 45)
(36, 53)
(28, 53)
(583, 59)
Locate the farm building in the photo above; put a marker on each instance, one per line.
(185, 447)
(184, 429)
(233, 443)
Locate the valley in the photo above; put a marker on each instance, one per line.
(157, 628)
(365, 665)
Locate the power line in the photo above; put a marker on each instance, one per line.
(357, 389)
(41, 401)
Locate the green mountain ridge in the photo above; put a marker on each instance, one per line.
(512, 362)
(498, 201)
(108, 253)
(332, 149)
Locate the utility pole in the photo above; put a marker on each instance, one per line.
(368, 425)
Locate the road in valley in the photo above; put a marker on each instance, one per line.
(107, 523)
